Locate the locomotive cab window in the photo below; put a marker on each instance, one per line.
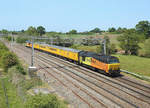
(83, 58)
(110, 61)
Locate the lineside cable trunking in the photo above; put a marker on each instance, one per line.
(32, 69)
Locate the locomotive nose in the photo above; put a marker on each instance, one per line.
(115, 66)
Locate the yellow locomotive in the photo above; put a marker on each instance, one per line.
(105, 63)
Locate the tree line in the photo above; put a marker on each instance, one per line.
(134, 41)
(142, 27)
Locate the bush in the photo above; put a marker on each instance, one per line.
(28, 84)
(20, 68)
(112, 49)
(21, 39)
(9, 59)
(44, 101)
(3, 48)
(145, 50)
(8, 38)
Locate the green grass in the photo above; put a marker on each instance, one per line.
(13, 99)
(135, 64)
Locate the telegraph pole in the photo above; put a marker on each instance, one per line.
(32, 68)
(11, 41)
(51, 41)
(104, 42)
(32, 57)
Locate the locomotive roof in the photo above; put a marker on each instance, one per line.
(101, 57)
(60, 47)
(64, 48)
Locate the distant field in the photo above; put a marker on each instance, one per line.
(87, 48)
(113, 37)
(138, 65)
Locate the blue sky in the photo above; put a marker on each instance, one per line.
(63, 15)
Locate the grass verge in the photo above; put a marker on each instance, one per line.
(135, 64)
(14, 100)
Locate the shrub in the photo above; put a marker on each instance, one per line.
(3, 49)
(44, 101)
(21, 39)
(20, 68)
(145, 50)
(9, 59)
(8, 38)
(112, 49)
(28, 84)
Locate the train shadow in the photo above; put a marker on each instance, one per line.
(117, 75)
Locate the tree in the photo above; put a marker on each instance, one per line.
(41, 30)
(143, 27)
(121, 30)
(112, 49)
(4, 31)
(96, 30)
(22, 31)
(129, 42)
(111, 29)
(73, 31)
(32, 31)
(145, 50)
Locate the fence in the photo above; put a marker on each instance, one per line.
(136, 75)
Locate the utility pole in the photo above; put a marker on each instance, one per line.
(104, 44)
(32, 68)
(32, 57)
(51, 41)
(11, 41)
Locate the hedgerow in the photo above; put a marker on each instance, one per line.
(9, 59)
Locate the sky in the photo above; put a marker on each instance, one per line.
(64, 15)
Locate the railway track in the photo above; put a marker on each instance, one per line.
(134, 84)
(142, 88)
(75, 93)
(77, 77)
(139, 91)
(120, 97)
(70, 80)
